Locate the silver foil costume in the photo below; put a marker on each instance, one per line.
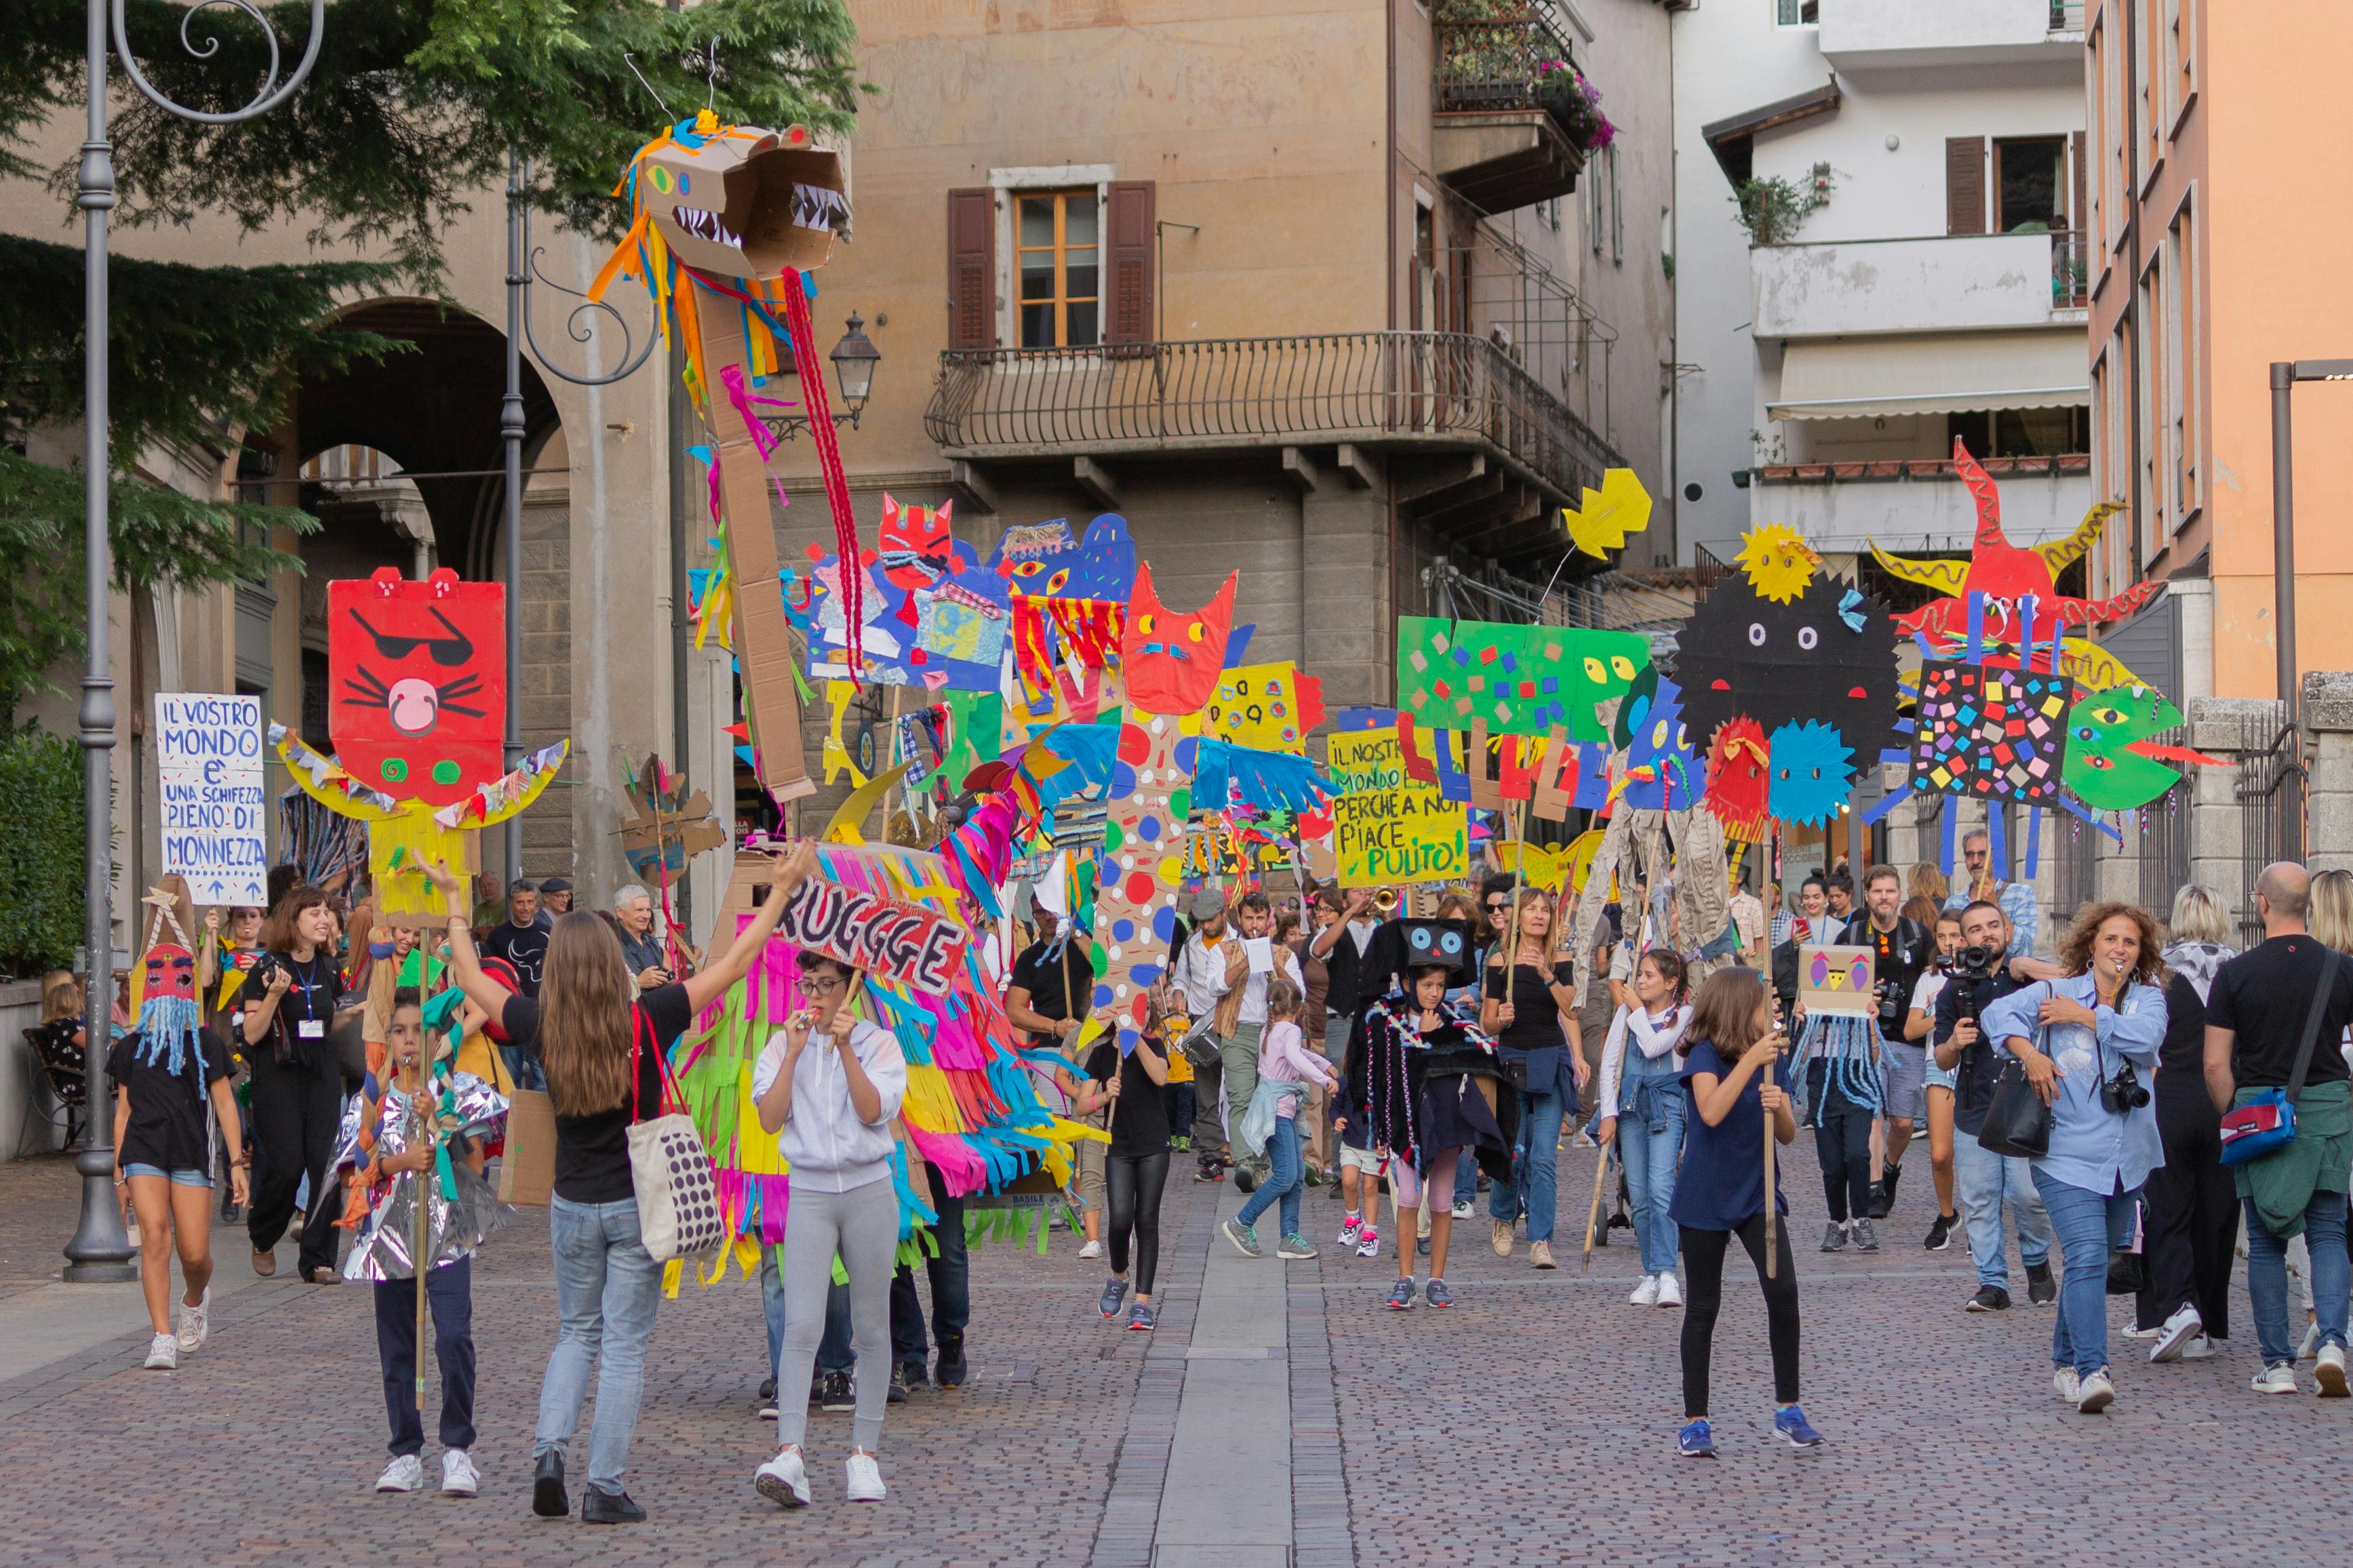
(455, 1227)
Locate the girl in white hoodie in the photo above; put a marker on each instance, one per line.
(829, 1087)
(1642, 1086)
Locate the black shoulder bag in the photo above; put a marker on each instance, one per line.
(2017, 1123)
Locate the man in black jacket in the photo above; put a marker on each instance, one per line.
(1901, 949)
(1986, 1181)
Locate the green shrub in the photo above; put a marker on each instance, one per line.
(40, 852)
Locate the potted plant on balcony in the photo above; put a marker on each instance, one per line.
(1575, 105)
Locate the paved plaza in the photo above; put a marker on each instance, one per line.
(1280, 1415)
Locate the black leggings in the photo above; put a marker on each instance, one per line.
(1704, 1264)
(1842, 1143)
(1132, 1186)
(295, 1114)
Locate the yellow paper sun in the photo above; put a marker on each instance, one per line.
(1621, 508)
(1779, 562)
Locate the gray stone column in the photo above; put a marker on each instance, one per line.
(2328, 753)
(2219, 727)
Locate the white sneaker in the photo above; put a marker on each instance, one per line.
(865, 1482)
(2201, 1347)
(163, 1352)
(2095, 1394)
(2311, 1345)
(2329, 1373)
(2137, 1333)
(2177, 1331)
(2064, 1384)
(459, 1477)
(1671, 1294)
(2280, 1379)
(783, 1481)
(1091, 1249)
(195, 1322)
(1646, 1294)
(404, 1474)
(1462, 1209)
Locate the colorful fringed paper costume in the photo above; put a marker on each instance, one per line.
(726, 222)
(969, 1110)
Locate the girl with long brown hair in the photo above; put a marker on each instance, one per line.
(1732, 1079)
(1529, 1001)
(602, 1054)
(293, 995)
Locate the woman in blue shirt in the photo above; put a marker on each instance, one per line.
(1732, 1080)
(2088, 1044)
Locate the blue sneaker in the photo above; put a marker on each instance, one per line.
(1142, 1318)
(1435, 1294)
(1402, 1298)
(1114, 1292)
(1791, 1424)
(1243, 1236)
(1697, 1440)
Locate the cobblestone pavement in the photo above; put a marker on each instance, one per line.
(1532, 1422)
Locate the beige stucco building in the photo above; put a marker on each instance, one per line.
(1323, 293)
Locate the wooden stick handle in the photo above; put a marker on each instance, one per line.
(1772, 1252)
(1593, 1213)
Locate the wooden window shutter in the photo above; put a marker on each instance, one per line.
(1131, 230)
(971, 268)
(2079, 215)
(1965, 193)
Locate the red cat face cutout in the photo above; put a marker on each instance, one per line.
(1738, 778)
(1172, 660)
(171, 972)
(417, 683)
(916, 544)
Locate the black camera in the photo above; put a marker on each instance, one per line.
(1977, 963)
(2123, 1092)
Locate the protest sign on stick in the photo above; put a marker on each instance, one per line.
(208, 755)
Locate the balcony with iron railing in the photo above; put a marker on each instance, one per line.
(1393, 390)
(1934, 283)
(1866, 34)
(1513, 121)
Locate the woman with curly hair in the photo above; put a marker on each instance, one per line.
(2085, 1043)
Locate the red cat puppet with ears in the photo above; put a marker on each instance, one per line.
(1171, 659)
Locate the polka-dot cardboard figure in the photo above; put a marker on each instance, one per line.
(1142, 862)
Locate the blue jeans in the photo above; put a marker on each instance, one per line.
(833, 1351)
(1650, 1144)
(2332, 1275)
(1984, 1182)
(606, 1288)
(1534, 1167)
(1466, 1181)
(2087, 1224)
(1282, 1149)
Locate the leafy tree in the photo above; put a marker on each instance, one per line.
(412, 110)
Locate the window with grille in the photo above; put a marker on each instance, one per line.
(1059, 265)
(1797, 12)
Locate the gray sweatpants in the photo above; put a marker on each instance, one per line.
(1240, 1054)
(863, 1226)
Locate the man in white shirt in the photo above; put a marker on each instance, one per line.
(1239, 998)
(1748, 918)
(1198, 979)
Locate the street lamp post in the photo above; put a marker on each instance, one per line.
(2286, 374)
(100, 1250)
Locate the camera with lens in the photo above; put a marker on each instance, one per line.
(1978, 963)
(2123, 1092)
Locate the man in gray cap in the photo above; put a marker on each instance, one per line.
(1206, 964)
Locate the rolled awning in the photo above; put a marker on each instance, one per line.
(1951, 373)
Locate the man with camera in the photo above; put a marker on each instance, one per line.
(1901, 949)
(1982, 976)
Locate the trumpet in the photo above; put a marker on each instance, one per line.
(1385, 902)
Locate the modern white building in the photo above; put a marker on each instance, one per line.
(1904, 271)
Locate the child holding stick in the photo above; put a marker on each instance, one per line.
(409, 1125)
(1732, 1080)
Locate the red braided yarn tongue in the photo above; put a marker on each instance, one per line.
(818, 404)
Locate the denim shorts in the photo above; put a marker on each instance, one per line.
(180, 1178)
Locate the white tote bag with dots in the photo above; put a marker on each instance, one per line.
(678, 1200)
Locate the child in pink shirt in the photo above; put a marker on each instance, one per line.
(1285, 1069)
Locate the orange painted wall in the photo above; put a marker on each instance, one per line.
(2279, 240)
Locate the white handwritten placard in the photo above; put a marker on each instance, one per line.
(905, 943)
(208, 754)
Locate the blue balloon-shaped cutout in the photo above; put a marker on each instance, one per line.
(1123, 783)
(1185, 749)
(1100, 995)
(1163, 924)
(1148, 829)
(1122, 929)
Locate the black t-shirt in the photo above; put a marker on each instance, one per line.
(1536, 1017)
(2183, 1053)
(166, 1127)
(297, 1030)
(1038, 971)
(1140, 1126)
(1979, 1066)
(526, 947)
(592, 1153)
(2264, 994)
(1899, 956)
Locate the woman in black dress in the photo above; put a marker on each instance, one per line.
(292, 996)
